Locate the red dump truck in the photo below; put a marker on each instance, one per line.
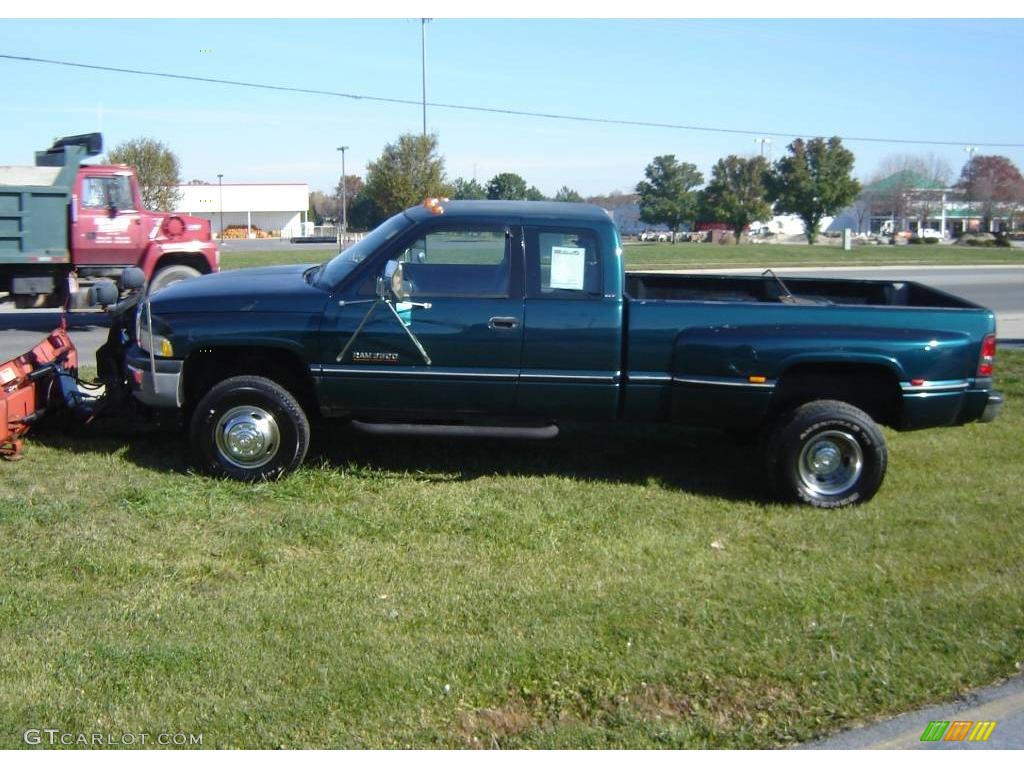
(64, 225)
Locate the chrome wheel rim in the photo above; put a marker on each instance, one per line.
(831, 463)
(247, 436)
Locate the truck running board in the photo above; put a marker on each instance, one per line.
(458, 430)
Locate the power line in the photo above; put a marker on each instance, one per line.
(492, 110)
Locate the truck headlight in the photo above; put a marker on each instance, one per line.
(146, 336)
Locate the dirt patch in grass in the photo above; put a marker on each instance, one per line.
(488, 728)
(660, 702)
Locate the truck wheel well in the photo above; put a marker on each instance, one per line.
(872, 388)
(194, 260)
(205, 368)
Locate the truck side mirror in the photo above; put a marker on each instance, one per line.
(112, 211)
(392, 282)
(132, 279)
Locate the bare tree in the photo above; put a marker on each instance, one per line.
(908, 185)
(863, 207)
(926, 201)
(327, 207)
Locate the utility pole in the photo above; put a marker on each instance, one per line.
(220, 185)
(762, 142)
(970, 182)
(423, 63)
(344, 198)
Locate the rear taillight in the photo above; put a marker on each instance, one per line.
(987, 360)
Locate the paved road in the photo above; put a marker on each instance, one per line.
(1002, 703)
(998, 287)
(22, 329)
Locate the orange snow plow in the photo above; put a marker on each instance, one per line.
(44, 381)
(33, 384)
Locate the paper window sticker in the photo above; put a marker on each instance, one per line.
(567, 267)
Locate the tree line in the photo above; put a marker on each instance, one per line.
(812, 180)
(408, 171)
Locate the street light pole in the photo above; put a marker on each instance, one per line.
(344, 198)
(970, 181)
(423, 64)
(762, 142)
(220, 186)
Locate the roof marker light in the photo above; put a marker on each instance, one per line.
(433, 204)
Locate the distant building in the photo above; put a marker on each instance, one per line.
(627, 218)
(908, 202)
(274, 209)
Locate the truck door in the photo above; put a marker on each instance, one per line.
(107, 227)
(572, 347)
(465, 282)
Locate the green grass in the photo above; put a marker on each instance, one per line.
(433, 593)
(240, 260)
(708, 256)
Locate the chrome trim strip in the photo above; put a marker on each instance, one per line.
(953, 385)
(648, 377)
(385, 370)
(716, 381)
(564, 377)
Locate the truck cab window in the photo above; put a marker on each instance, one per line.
(458, 262)
(104, 191)
(563, 263)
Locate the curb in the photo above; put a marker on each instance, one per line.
(1003, 701)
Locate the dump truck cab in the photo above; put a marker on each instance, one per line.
(64, 223)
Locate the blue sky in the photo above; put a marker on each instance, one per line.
(954, 81)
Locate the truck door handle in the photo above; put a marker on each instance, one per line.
(503, 323)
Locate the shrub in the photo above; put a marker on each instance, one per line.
(931, 240)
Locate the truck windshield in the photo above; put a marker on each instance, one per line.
(338, 268)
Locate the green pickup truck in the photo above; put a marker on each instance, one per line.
(509, 318)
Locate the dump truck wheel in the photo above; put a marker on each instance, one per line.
(249, 428)
(173, 274)
(826, 453)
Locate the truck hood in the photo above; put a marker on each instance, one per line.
(259, 289)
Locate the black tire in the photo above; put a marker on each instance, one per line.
(249, 428)
(169, 275)
(826, 453)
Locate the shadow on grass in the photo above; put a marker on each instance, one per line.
(703, 462)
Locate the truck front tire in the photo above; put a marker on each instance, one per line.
(172, 274)
(826, 453)
(249, 428)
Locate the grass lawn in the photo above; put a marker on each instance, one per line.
(600, 590)
(708, 256)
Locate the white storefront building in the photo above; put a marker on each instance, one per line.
(277, 209)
